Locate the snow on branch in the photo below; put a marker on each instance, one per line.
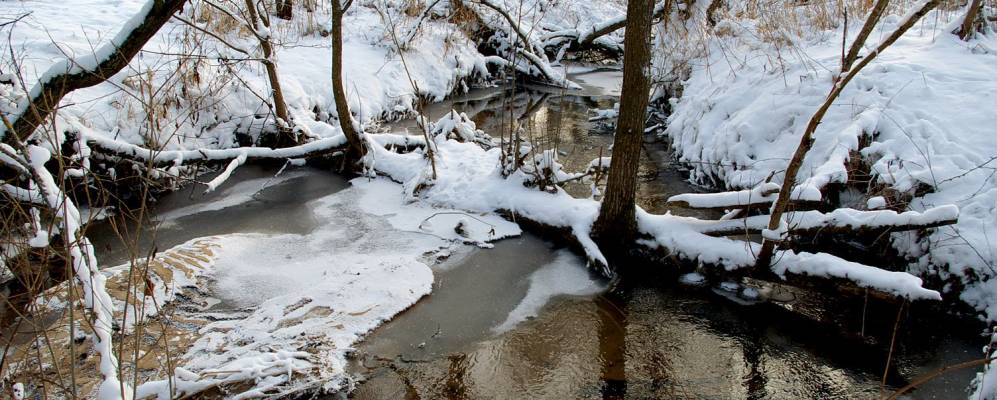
(679, 236)
(280, 365)
(531, 50)
(842, 220)
(589, 37)
(763, 194)
(84, 264)
(72, 74)
(116, 148)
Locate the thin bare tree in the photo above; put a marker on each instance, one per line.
(764, 258)
(259, 25)
(338, 91)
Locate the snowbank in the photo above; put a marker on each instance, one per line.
(204, 103)
(918, 115)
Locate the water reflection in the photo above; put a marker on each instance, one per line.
(560, 120)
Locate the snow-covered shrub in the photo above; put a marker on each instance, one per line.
(460, 127)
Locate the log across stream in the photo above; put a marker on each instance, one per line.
(525, 319)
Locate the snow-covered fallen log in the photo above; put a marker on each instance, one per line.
(467, 179)
(678, 237)
(319, 147)
(760, 195)
(840, 221)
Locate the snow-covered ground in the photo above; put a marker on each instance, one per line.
(920, 114)
(203, 102)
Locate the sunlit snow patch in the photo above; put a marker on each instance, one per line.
(566, 275)
(383, 198)
(300, 302)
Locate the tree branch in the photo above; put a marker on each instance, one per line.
(70, 75)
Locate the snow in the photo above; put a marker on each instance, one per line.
(764, 193)
(875, 203)
(692, 278)
(305, 300)
(919, 106)
(470, 178)
(309, 298)
(566, 275)
(440, 58)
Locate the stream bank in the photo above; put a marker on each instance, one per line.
(526, 318)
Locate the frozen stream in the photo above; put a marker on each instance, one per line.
(525, 319)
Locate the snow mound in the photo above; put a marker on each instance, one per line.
(916, 115)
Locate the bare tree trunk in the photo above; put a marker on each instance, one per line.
(342, 106)
(43, 101)
(616, 226)
(969, 20)
(285, 136)
(764, 259)
(870, 22)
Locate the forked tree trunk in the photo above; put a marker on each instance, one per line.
(285, 136)
(342, 106)
(616, 226)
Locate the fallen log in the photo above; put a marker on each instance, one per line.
(165, 158)
(760, 196)
(840, 221)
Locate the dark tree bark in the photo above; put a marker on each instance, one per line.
(285, 9)
(616, 226)
(45, 101)
(285, 136)
(342, 106)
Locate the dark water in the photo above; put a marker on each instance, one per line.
(252, 200)
(654, 338)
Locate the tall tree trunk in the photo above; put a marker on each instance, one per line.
(285, 136)
(342, 106)
(616, 226)
(45, 100)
